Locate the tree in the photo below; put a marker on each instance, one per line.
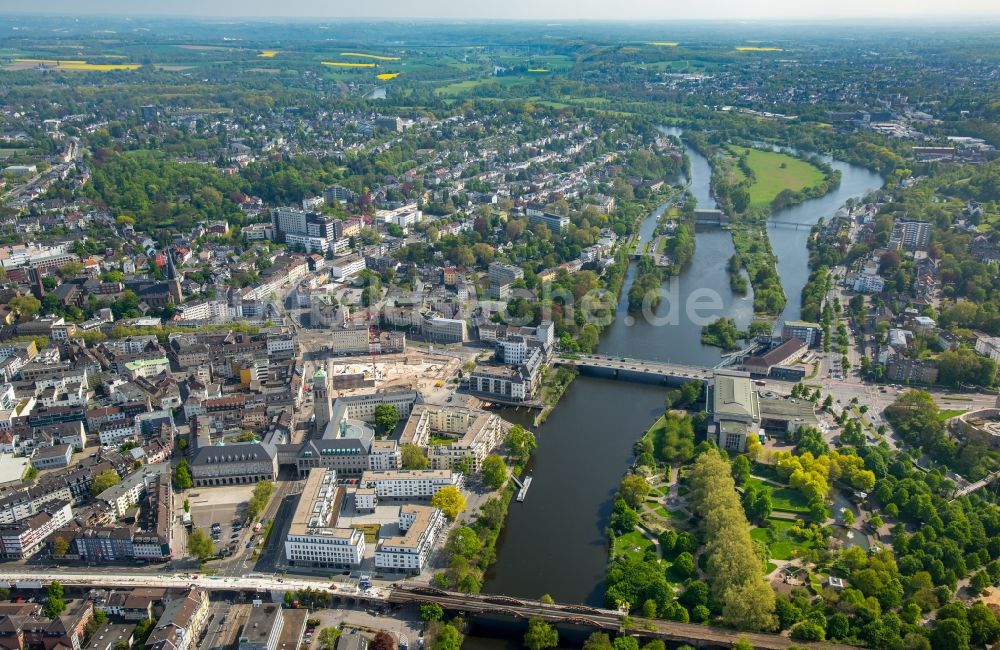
(382, 641)
(448, 638)
(633, 490)
(980, 582)
(327, 638)
(59, 546)
(547, 599)
(55, 604)
(810, 439)
(742, 644)
(103, 481)
(182, 476)
(386, 417)
(24, 307)
(464, 541)
(431, 612)
(200, 544)
(683, 566)
(950, 634)
(598, 641)
(494, 471)
(733, 566)
(413, 457)
(521, 442)
(741, 470)
(450, 501)
(983, 626)
(143, 629)
(623, 518)
(540, 635)
(808, 630)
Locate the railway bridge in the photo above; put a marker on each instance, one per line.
(593, 617)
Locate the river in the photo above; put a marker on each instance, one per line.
(554, 542)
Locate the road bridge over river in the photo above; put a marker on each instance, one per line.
(638, 370)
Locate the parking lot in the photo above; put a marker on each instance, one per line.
(219, 505)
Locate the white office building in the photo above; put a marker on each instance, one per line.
(409, 483)
(313, 539)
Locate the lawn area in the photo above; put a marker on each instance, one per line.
(633, 544)
(784, 499)
(370, 531)
(775, 172)
(947, 414)
(784, 544)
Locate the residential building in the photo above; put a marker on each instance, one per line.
(408, 552)
(988, 346)
(181, 623)
(51, 457)
(554, 222)
(810, 333)
(508, 383)
(910, 235)
(474, 434)
(25, 538)
(262, 629)
(911, 371)
(345, 266)
(407, 484)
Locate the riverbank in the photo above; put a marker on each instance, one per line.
(556, 542)
(750, 184)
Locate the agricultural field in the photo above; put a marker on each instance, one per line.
(70, 65)
(344, 64)
(775, 172)
(757, 48)
(362, 55)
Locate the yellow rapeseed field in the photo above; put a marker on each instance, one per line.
(81, 65)
(377, 57)
(386, 76)
(754, 48)
(268, 54)
(663, 43)
(538, 69)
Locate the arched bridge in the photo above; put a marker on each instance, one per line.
(593, 617)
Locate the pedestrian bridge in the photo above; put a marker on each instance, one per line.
(637, 370)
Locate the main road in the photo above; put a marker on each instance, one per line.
(416, 594)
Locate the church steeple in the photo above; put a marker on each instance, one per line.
(173, 279)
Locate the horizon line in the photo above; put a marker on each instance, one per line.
(549, 21)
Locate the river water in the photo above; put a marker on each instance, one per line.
(554, 541)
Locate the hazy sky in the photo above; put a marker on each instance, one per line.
(526, 9)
